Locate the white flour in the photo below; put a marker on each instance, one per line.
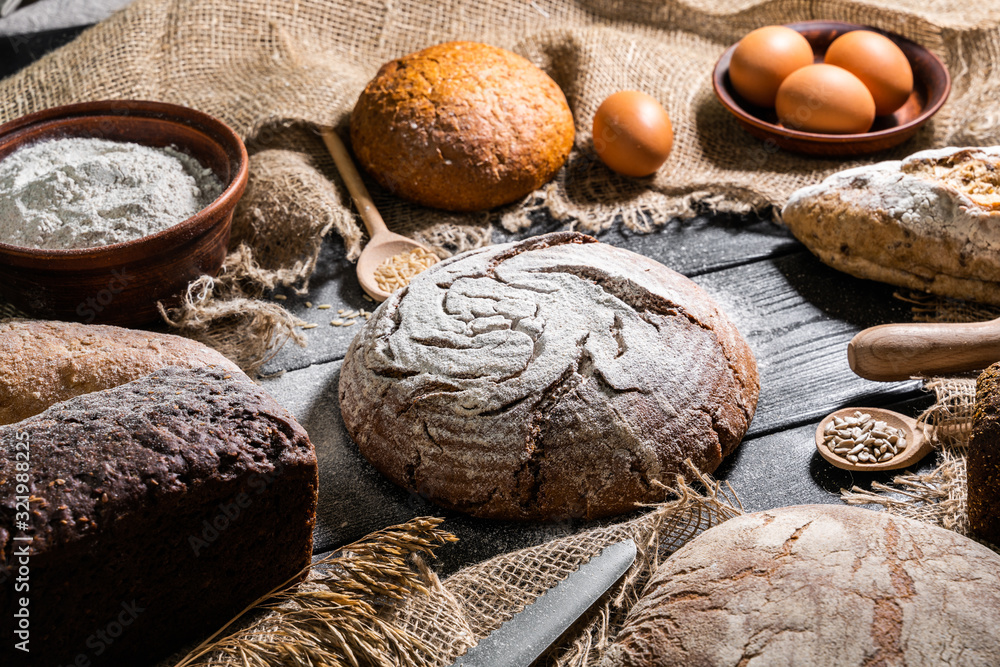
(81, 192)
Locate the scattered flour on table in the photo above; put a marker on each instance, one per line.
(84, 192)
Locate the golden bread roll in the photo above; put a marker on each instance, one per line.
(461, 126)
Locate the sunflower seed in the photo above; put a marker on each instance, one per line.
(862, 438)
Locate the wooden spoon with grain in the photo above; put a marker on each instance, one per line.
(918, 444)
(382, 243)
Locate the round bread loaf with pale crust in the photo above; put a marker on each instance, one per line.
(818, 585)
(461, 126)
(44, 362)
(555, 377)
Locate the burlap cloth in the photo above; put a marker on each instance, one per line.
(276, 70)
(939, 496)
(401, 614)
(377, 603)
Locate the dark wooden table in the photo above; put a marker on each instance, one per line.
(796, 313)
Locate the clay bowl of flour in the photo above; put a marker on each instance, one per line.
(126, 259)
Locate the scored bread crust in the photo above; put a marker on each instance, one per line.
(45, 362)
(556, 377)
(928, 222)
(818, 585)
(462, 126)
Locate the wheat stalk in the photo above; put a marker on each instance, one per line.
(334, 618)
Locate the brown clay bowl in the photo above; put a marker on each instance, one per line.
(931, 86)
(122, 283)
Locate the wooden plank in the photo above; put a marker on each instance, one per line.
(784, 468)
(798, 315)
(333, 283)
(773, 470)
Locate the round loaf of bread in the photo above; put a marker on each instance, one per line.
(818, 585)
(45, 362)
(461, 126)
(556, 377)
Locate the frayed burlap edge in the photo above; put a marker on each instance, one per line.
(491, 592)
(376, 602)
(928, 307)
(227, 313)
(643, 214)
(8, 311)
(657, 535)
(938, 497)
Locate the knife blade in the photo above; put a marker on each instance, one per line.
(525, 636)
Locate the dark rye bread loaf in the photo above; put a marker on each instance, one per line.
(983, 462)
(158, 509)
(556, 377)
(818, 585)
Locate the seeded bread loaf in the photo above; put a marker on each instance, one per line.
(983, 462)
(929, 222)
(461, 126)
(555, 377)
(43, 362)
(818, 585)
(158, 510)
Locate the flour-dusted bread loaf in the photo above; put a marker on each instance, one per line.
(930, 222)
(983, 462)
(156, 510)
(818, 585)
(555, 377)
(44, 362)
(462, 126)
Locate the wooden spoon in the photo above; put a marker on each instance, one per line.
(382, 243)
(900, 351)
(918, 444)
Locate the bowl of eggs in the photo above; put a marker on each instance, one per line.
(830, 88)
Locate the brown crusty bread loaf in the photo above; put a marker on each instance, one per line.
(44, 362)
(928, 222)
(983, 462)
(158, 510)
(461, 126)
(818, 585)
(555, 377)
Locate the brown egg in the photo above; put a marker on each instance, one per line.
(763, 59)
(632, 133)
(825, 98)
(880, 64)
